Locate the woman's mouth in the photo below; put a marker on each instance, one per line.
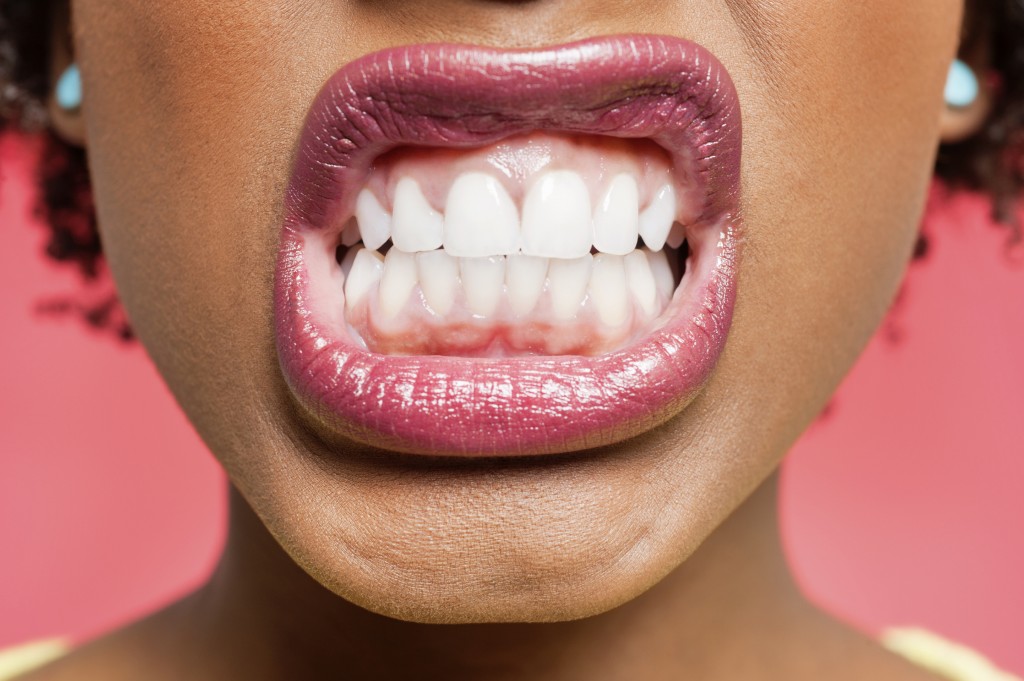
(495, 253)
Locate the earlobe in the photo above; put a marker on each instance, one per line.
(65, 98)
(65, 107)
(969, 95)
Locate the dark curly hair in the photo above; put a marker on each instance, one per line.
(992, 161)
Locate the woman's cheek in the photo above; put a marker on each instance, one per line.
(841, 118)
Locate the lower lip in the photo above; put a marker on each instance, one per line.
(513, 406)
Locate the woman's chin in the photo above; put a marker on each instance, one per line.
(511, 541)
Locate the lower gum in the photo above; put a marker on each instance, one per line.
(478, 338)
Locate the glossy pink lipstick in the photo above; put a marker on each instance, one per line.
(667, 90)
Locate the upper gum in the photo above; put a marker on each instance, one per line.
(598, 159)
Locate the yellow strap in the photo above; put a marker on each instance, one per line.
(939, 655)
(28, 656)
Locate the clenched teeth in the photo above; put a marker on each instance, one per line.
(548, 258)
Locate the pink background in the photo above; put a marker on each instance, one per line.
(902, 506)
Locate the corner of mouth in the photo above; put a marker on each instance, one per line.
(510, 252)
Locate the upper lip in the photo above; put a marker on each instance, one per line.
(666, 89)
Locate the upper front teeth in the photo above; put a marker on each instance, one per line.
(556, 217)
(415, 226)
(616, 220)
(558, 221)
(374, 221)
(656, 220)
(480, 218)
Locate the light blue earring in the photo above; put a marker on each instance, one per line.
(69, 89)
(962, 87)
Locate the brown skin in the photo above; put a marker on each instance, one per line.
(192, 111)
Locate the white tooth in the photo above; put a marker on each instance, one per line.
(677, 236)
(657, 218)
(350, 237)
(524, 280)
(367, 268)
(374, 221)
(415, 226)
(480, 218)
(641, 281)
(350, 257)
(568, 281)
(662, 271)
(556, 216)
(397, 282)
(439, 276)
(616, 220)
(482, 280)
(608, 289)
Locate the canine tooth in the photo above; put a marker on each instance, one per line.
(657, 218)
(482, 279)
(480, 218)
(616, 220)
(367, 268)
(439, 277)
(556, 216)
(608, 289)
(676, 236)
(568, 281)
(374, 221)
(662, 271)
(415, 225)
(641, 281)
(524, 278)
(397, 282)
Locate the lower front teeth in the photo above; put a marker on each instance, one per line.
(439, 278)
(364, 275)
(398, 281)
(608, 289)
(482, 283)
(524, 278)
(510, 287)
(568, 280)
(641, 281)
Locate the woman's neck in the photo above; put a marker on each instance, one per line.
(730, 605)
(731, 611)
